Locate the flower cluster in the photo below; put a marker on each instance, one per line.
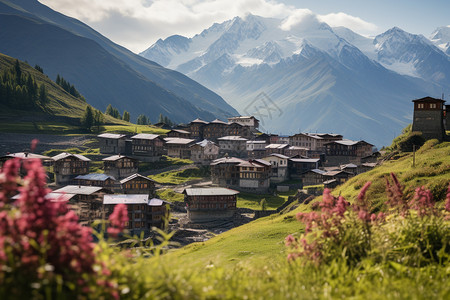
(41, 240)
(337, 231)
(118, 219)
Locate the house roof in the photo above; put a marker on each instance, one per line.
(157, 202)
(254, 163)
(232, 138)
(350, 166)
(317, 171)
(277, 146)
(180, 131)
(330, 181)
(125, 199)
(131, 177)
(369, 165)
(145, 136)
(65, 155)
(217, 121)
(279, 155)
(334, 173)
(78, 190)
(111, 136)
(178, 141)
(198, 120)
(95, 176)
(308, 135)
(27, 155)
(297, 148)
(116, 157)
(219, 191)
(305, 160)
(227, 160)
(53, 197)
(256, 142)
(428, 99)
(204, 143)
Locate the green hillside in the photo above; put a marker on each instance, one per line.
(60, 114)
(263, 239)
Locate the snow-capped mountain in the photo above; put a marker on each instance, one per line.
(441, 38)
(307, 76)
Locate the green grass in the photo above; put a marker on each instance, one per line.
(166, 161)
(432, 170)
(252, 201)
(39, 127)
(169, 195)
(180, 177)
(132, 129)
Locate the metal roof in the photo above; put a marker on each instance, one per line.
(65, 155)
(178, 141)
(204, 143)
(352, 166)
(126, 199)
(111, 136)
(276, 146)
(116, 157)
(232, 138)
(27, 155)
(256, 142)
(227, 160)
(95, 176)
(305, 160)
(179, 131)
(217, 121)
(198, 120)
(428, 99)
(279, 155)
(54, 197)
(145, 136)
(78, 189)
(135, 176)
(210, 192)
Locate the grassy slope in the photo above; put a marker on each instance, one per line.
(60, 113)
(262, 239)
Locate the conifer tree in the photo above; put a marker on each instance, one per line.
(126, 116)
(88, 118)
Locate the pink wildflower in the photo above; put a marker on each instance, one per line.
(118, 219)
(289, 240)
(423, 201)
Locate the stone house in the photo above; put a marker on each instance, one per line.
(247, 121)
(224, 171)
(429, 118)
(351, 148)
(120, 166)
(210, 204)
(214, 130)
(256, 149)
(179, 147)
(148, 147)
(276, 149)
(279, 171)
(67, 166)
(233, 146)
(236, 129)
(340, 176)
(312, 177)
(204, 152)
(254, 176)
(97, 179)
(111, 143)
(196, 129)
(312, 142)
(138, 184)
(143, 212)
(179, 133)
(86, 201)
(298, 166)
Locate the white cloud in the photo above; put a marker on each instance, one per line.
(354, 23)
(136, 24)
(298, 16)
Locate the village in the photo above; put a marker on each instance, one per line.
(239, 158)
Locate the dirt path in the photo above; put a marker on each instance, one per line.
(18, 142)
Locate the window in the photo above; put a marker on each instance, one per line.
(433, 105)
(420, 105)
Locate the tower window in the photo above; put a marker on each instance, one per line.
(420, 105)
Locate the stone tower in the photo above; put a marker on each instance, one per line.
(429, 118)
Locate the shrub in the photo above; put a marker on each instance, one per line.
(413, 232)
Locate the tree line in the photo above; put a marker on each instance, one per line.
(19, 89)
(69, 88)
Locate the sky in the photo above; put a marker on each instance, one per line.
(137, 24)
